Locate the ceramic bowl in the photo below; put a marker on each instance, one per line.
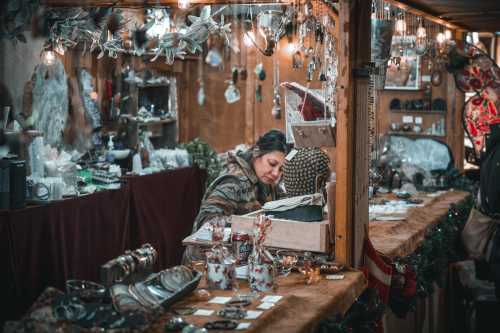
(119, 154)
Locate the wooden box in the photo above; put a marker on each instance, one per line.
(288, 234)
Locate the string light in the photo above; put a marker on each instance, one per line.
(448, 34)
(440, 38)
(48, 57)
(184, 4)
(421, 32)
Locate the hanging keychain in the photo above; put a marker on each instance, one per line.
(276, 110)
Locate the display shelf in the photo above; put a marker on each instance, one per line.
(439, 112)
(417, 135)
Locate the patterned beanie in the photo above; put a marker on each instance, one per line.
(306, 172)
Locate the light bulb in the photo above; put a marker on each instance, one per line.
(447, 34)
(248, 38)
(291, 48)
(440, 38)
(475, 37)
(49, 58)
(421, 32)
(400, 26)
(184, 4)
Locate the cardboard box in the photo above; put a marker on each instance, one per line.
(288, 234)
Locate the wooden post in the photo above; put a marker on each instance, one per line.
(351, 212)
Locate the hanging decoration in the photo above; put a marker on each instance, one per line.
(200, 95)
(261, 75)
(475, 72)
(73, 26)
(276, 110)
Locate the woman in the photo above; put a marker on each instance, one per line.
(249, 181)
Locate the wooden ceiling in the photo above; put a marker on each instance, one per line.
(473, 15)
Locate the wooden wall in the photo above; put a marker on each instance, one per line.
(453, 127)
(225, 125)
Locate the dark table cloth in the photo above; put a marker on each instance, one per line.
(45, 245)
(163, 208)
(68, 239)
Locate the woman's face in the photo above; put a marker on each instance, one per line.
(268, 167)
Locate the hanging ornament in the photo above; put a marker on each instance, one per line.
(261, 73)
(276, 110)
(243, 73)
(232, 94)
(234, 74)
(258, 93)
(297, 59)
(200, 96)
(213, 58)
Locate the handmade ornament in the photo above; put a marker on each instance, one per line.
(297, 59)
(213, 58)
(220, 262)
(260, 72)
(261, 270)
(276, 110)
(200, 96)
(258, 93)
(232, 93)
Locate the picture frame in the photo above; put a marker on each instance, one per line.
(403, 68)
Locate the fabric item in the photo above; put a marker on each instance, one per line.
(489, 178)
(494, 262)
(237, 191)
(477, 73)
(293, 202)
(306, 172)
(163, 208)
(478, 233)
(379, 273)
(396, 239)
(50, 101)
(68, 239)
(71, 239)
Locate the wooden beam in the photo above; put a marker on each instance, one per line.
(141, 3)
(352, 154)
(344, 151)
(425, 15)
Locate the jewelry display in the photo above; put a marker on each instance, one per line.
(175, 324)
(221, 325)
(86, 290)
(232, 313)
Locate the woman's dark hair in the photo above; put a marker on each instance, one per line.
(274, 140)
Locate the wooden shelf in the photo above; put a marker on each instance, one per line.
(418, 111)
(418, 135)
(156, 122)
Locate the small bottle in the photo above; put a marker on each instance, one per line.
(136, 163)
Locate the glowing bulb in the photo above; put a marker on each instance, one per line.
(447, 34)
(291, 48)
(400, 26)
(440, 38)
(475, 37)
(421, 32)
(248, 38)
(184, 4)
(49, 58)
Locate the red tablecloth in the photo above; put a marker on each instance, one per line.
(44, 246)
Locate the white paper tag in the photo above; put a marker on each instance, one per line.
(335, 277)
(291, 154)
(407, 119)
(265, 306)
(220, 300)
(243, 326)
(203, 312)
(418, 120)
(271, 299)
(251, 314)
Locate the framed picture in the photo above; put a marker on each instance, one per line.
(403, 68)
